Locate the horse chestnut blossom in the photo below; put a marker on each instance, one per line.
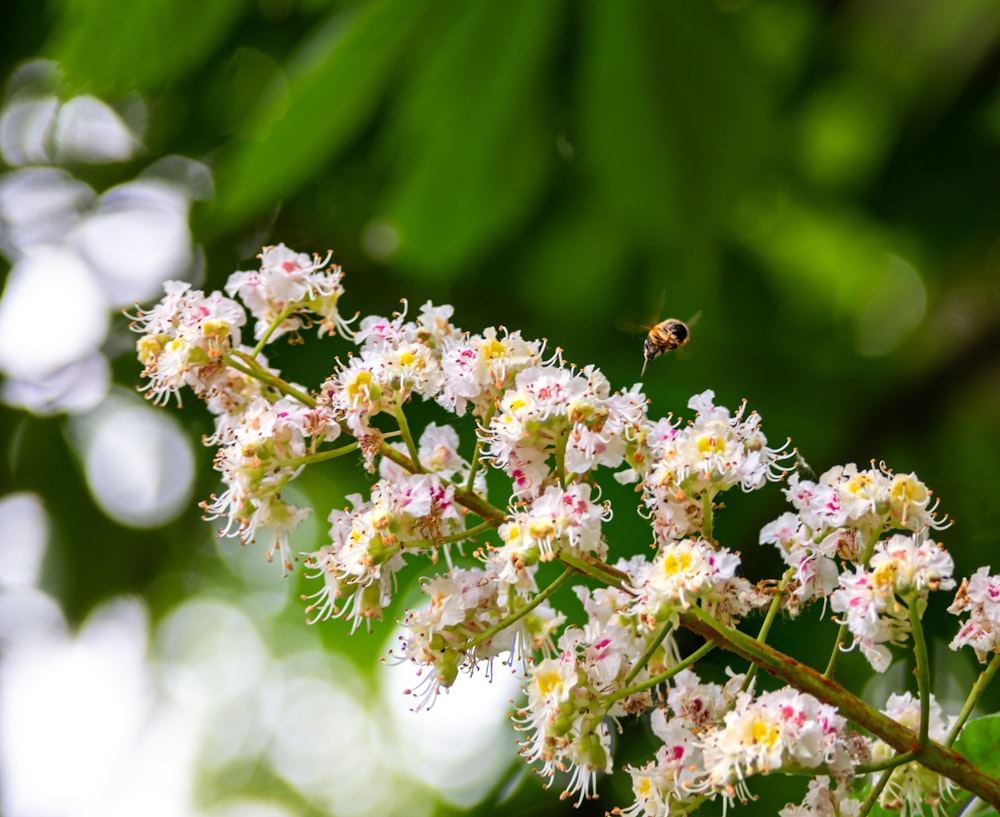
(910, 786)
(183, 339)
(289, 291)
(979, 595)
(497, 504)
(876, 600)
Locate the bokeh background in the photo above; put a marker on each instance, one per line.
(819, 180)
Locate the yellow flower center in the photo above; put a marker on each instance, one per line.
(906, 490)
(859, 483)
(361, 381)
(493, 349)
(711, 445)
(884, 576)
(541, 529)
(548, 682)
(764, 733)
(674, 563)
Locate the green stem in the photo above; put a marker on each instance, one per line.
(707, 523)
(974, 694)
(835, 655)
(649, 683)
(596, 570)
(889, 763)
(652, 647)
(288, 310)
(251, 367)
(411, 446)
(872, 540)
(320, 456)
(487, 634)
(922, 670)
(874, 794)
(451, 538)
(765, 628)
(474, 465)
(561, 442)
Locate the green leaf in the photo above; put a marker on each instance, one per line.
(142, 46)
(333, 89)
(980, 743)
(475, 148)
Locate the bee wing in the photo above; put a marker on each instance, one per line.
(693, 319)
(660, 302)
(641, 327)
(632, 327)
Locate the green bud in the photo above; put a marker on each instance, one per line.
(447, 668)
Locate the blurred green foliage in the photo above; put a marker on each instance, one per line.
(817, 179)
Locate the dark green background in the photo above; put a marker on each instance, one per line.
(558, 167)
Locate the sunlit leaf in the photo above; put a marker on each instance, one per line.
(105, 44)
(475, 148)
(332, 91)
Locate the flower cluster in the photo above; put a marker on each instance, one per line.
(833, 549)
(876, 600)
(858, 539)
(291, 291)
(184, 338)
(687, 467)
(910, 786)
(978, 595)
(257, 458)
(715, 737)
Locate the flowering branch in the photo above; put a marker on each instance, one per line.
(858, 541)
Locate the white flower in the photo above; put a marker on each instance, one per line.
(714, 453)
(559, 520)
(666, 785)
(293, 285)
(184, 338)
(783, 728)
(682, 572)
(911, 786)
(980, 596)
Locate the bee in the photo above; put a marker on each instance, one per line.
(662, 338)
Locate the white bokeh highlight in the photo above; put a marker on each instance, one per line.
(89, 130)
(53, 307)
(463, 743)
(77, 256)
(24, 534)
(80, 707)
(138, 462)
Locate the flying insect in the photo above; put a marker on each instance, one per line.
(662, 338)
